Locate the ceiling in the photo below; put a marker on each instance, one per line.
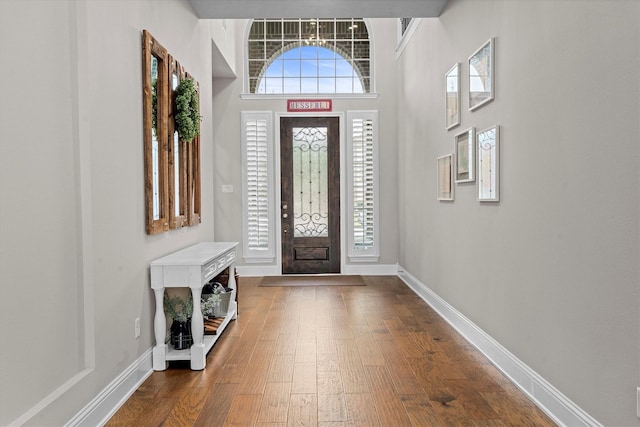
(229, 9)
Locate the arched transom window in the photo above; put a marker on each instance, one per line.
(306, 56)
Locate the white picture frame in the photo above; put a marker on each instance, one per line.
(464, 150)
(482, 75)
(452, 97)
(445, 187)
(488, 146)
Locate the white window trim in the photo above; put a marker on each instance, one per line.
(371, 254)
(403, 39)
(254, 255)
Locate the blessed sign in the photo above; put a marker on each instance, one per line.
(308, 105)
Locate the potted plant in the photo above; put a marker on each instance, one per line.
(187, 110)
(209, 305)
(180, 311)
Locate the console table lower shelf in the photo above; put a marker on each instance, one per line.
(209, 341)
(165, 353)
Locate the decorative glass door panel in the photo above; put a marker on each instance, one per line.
(310, 193)
(310, 186)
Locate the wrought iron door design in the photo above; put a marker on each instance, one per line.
(310, 207)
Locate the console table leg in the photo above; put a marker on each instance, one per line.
(160, 357)
(233, 284)
(198, 356)
(160, 331)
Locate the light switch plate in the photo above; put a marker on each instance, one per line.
(227, 188)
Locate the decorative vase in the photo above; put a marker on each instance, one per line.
(180, 335)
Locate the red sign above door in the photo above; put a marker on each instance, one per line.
(313, 105)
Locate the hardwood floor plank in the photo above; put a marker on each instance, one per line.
(472, 400)
(286, 343)
(391, 411)
(234, 368)
(306, 348)
(216, 407)
(332, 408)
(135, 410)
(354, 379)
(257, 369)
(303, 410)
(328, 362)
(187, 409)
(275, 403)
(449, 409)
(362, 410)
(329, 382)
(156, 414)
(281, 369)
(304, 378)
(325, 342)
(244, 410)
(403, 377)
(419, 410)
(369, 350)
(511, 413)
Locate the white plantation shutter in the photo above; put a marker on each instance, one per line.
(363, 169)
(258, 187)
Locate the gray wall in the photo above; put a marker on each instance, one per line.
(73, 250)
(551, 272)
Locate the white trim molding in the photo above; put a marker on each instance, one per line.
(557, 406)
(403, 39)
(362, 269)
(108, 401)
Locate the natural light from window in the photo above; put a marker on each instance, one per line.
(308, 56)
(310, 69)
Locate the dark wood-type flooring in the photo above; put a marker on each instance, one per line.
(333, 356)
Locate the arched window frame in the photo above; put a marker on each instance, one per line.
(372, 83)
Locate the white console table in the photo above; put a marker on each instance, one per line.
(191, 267)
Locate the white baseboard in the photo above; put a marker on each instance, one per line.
(104, 405)
(557, 406)
(364, 269)
(257, 270)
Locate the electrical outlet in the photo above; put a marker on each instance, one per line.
(136, 327)
(227, 188)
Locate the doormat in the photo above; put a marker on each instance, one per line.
(320, 280)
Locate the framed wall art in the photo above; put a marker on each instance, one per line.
(488, 143)
(465, 156)
(445, 177)
(482, 75)
(452, 101)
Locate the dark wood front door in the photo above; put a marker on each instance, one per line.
(310, 209)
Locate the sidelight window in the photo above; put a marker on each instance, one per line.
(258, 193)
(363, 186)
